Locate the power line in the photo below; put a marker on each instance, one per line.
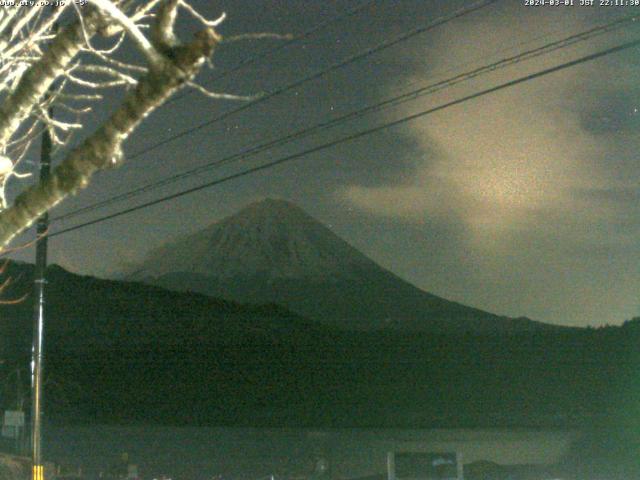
(387, 44)
(314, 76)
(393, 101)
(357, 135)
(298, 38)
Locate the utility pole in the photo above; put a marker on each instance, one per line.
(20, 431)
(37, 353)
(19, 399)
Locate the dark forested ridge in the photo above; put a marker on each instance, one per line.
(127, 352)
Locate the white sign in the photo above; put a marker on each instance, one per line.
(13, 418)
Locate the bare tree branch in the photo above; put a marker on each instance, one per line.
(42, 67)
(36, 80)
(145, 46)
(103, 149)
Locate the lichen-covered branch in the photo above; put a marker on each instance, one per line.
(103, 148)
(35, 82)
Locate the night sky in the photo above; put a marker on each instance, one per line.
(522, 202)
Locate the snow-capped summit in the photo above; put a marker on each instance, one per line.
(273, 252)
(271, 239)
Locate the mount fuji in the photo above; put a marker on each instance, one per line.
(273, 252)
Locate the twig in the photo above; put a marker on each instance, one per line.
(221, 96)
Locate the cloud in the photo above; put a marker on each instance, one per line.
(507, 157)
(543, 189)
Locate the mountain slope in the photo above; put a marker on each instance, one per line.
(85, 313)
(128, 352)
(273, 252)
